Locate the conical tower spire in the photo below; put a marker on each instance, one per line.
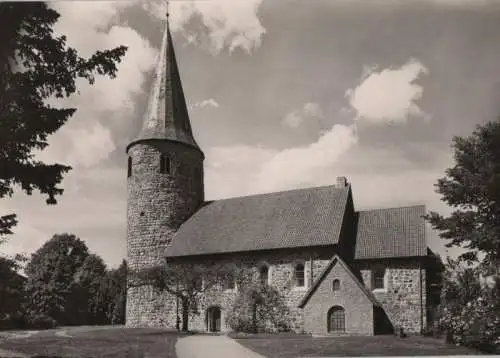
(167, 117)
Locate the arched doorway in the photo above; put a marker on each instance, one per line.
(213, 319)
(336, 319)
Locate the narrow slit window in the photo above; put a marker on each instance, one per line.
(165, 164)
(129, 167)
(264, 274)
(336, 285)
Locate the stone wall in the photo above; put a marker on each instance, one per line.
(281, 266)
(152, 309)
(403, 297)
(157, 205)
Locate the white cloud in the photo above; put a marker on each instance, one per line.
(297, 117)
(386, 95)
(232, 170)
(300, 165)
(231, 24)
(206, 103)
(86, 138)
(244, 170)
(389, 94)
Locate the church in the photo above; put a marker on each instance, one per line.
(340, 270)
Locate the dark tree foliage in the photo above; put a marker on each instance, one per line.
(12, 294)
(258, 308)
(110, 301)
(51, 275)
(472, 188)
(36, 65)
(81, 305)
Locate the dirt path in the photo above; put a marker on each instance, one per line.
(212, 347)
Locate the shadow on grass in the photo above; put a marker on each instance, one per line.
(105, 343)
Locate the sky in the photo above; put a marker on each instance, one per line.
(282, 94)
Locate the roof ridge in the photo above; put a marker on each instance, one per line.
(392, 208)
(333, 186)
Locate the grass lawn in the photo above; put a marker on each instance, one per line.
(288, 346)
(102, 343)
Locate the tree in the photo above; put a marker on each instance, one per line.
(35, 65)
(81, 305)
(470, 307)
(51, 273)
(472, 188)
(119, 276)
(186, 281)
(111, 298)
(258, 307)
(11, 294)
(434, 285)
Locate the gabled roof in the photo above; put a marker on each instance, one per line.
(395, 232)
(167, 116)
(336, 259)
(287, 219)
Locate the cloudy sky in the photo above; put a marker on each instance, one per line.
(283, 94)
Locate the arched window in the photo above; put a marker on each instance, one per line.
(336, 285)
(164, 164)
(336, 319)
(264, 274)
(129, 167)
(299, 275)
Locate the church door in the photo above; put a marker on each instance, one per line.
(214, 319)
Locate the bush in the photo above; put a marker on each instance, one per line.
(470, 311)
(258, 308)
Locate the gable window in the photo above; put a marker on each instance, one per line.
(264, 274)
(164, 164)
(378, 278)
(129, 167)
(336, 285)
(299, 275)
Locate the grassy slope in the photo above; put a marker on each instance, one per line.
(102, 343)
(278, 346)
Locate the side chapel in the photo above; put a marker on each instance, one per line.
(351, 270)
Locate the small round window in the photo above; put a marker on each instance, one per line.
(336, 285)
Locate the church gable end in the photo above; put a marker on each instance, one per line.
(338, 303)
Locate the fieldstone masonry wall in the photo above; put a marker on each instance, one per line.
(157, 205)
(281, 276)
(403, 297)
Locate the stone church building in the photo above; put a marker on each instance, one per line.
(340, 270)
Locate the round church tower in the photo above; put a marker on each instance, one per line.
(165, 186)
